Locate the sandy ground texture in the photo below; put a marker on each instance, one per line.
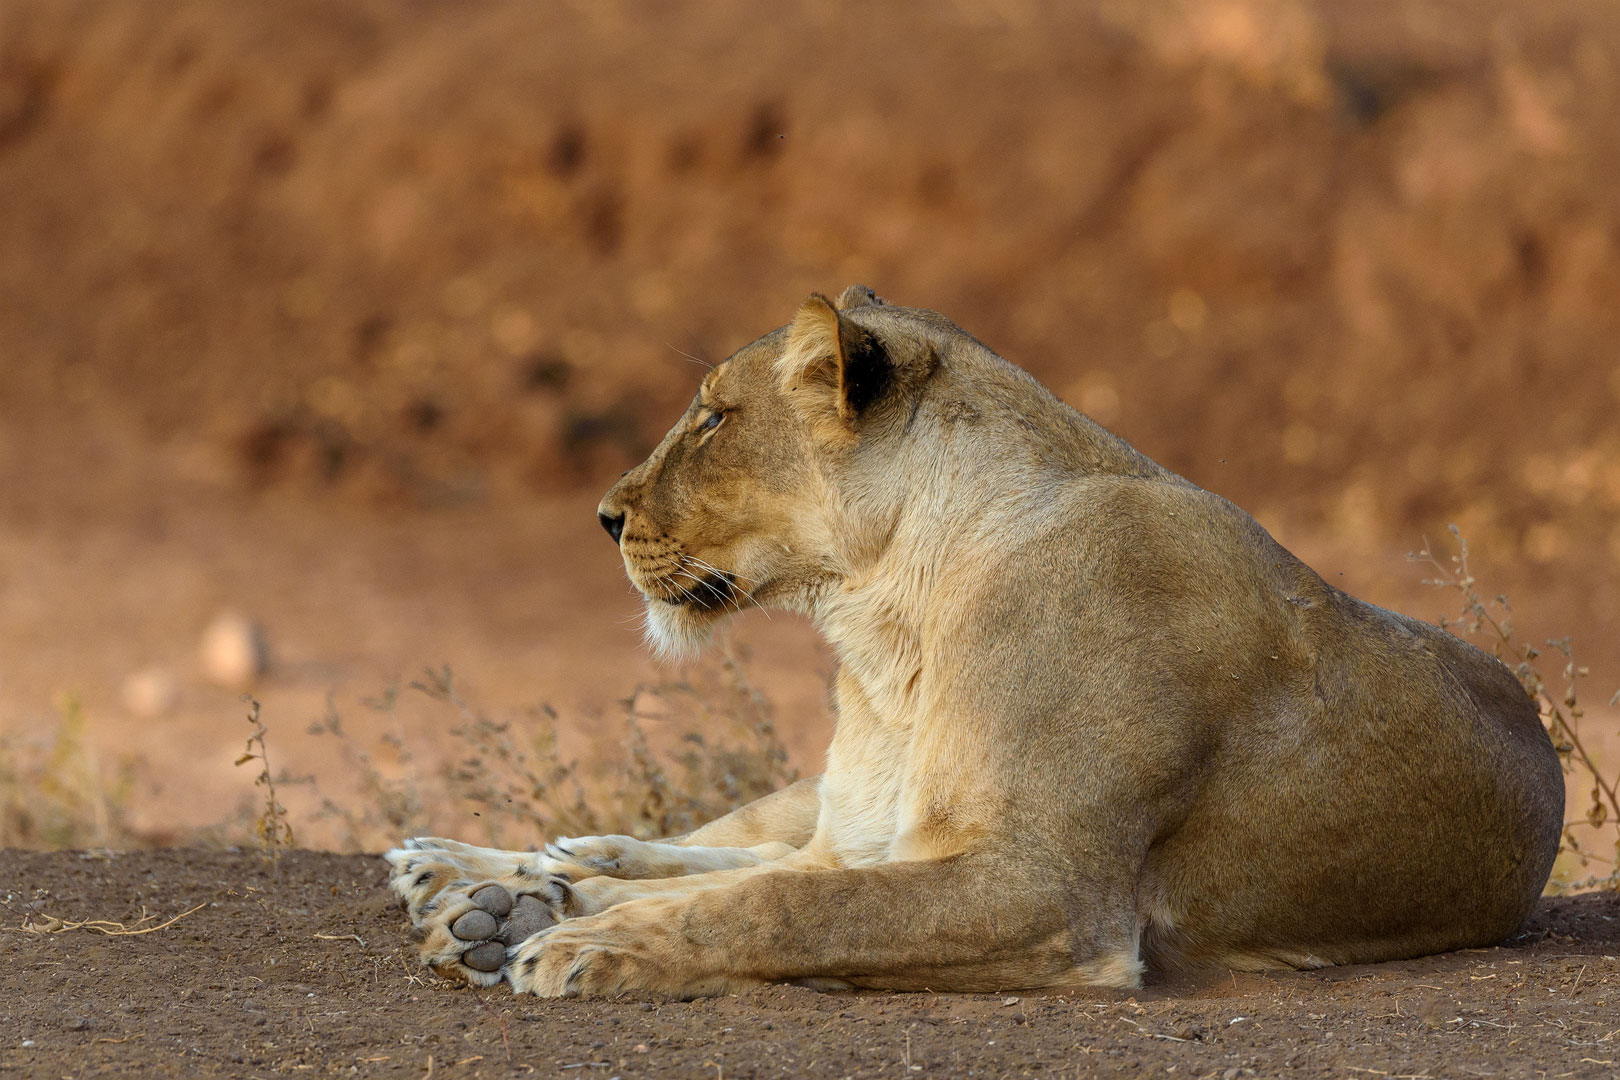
(242, 971)
(342, 316)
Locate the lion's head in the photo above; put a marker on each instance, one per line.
(780, 475)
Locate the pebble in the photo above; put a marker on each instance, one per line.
(150, 693)
(234, 652)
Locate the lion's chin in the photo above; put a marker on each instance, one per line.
(677, 632)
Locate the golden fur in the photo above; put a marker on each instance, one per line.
(1092, 720)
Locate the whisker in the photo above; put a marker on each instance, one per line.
(689, 356)
(732, 578)
(716, 570)
(707, 586)
(665, 579)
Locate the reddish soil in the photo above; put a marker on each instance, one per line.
(343, 316)
(308, 970)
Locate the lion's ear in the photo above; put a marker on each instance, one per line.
(831, 366)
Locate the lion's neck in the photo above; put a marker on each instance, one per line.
(940, 514)
(894, 595)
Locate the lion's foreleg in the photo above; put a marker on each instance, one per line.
(627, 858)
(761, 832)
(964, 923)
(589, 896)
(786, 817)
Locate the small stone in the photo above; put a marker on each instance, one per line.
(150, 694)
(476, 925)
(233, 652)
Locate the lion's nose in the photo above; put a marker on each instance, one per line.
(613, 523)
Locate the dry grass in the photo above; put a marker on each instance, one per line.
(271, 827)
(55, 792)
(713, 748)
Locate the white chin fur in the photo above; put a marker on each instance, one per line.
(675, 633)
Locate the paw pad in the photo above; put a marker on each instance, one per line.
(495, 900)
(498, 920)
(476, 925)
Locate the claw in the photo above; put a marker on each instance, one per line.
(561, 897)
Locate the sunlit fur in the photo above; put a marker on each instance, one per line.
(1093, 722)
(672, 634)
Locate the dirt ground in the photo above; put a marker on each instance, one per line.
(308, 971)
(342, 316)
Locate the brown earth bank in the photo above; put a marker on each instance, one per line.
(342, 315)
(246, 970)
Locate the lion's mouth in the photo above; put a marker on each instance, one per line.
(701, 591)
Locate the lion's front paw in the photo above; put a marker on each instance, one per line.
(610, 856)
(426, 866)
(469, 933)
(575, 960)
(627, 949)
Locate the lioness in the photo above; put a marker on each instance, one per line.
(1092, 720)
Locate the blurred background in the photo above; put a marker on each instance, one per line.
(323, 326)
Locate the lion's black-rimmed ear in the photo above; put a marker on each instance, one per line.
(832, 368)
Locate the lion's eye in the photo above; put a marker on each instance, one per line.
(711, 423)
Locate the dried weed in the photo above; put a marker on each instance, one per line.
(1561, 713)
(54, 791)
(688, 751)
(271, 827)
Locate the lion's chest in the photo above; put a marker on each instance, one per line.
(870, 786)
(872, 779)
(861, 796)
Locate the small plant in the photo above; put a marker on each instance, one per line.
(517, 778)
(1561, 713)
(389, 806)
(272, 827)
(53, 790)
(688, 751)
(693, 750)
(727, 755)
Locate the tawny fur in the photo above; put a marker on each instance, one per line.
(1092, 720)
